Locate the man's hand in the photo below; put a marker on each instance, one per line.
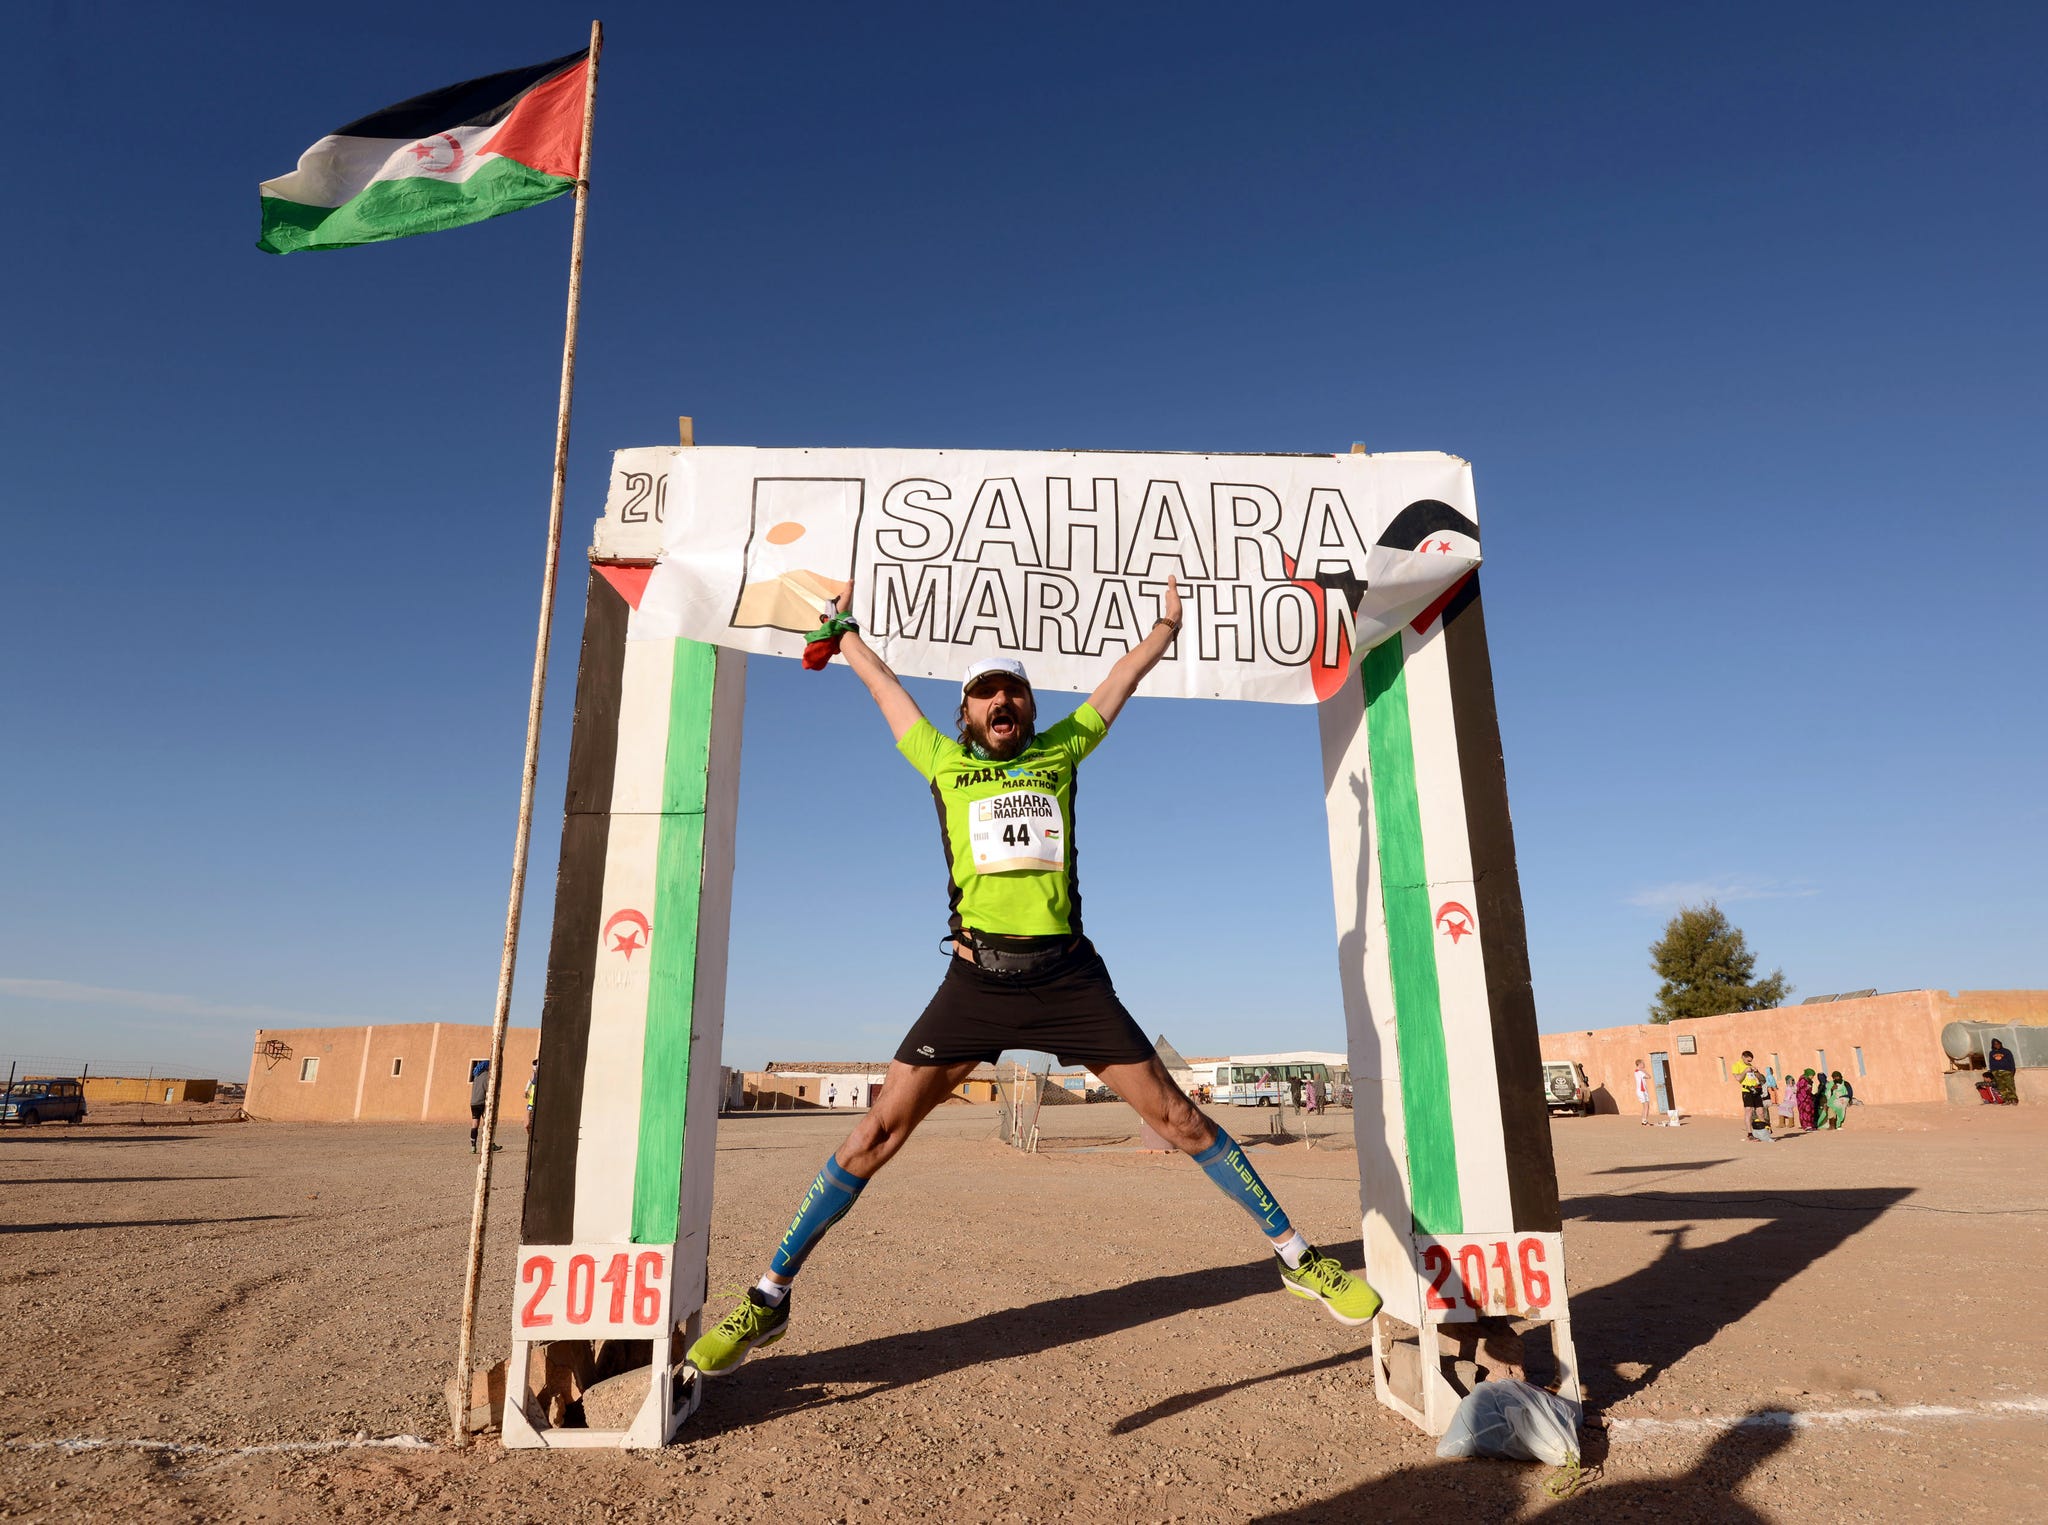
(823, 644)
(1131, 667)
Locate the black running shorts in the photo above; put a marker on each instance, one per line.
(1069, 1009)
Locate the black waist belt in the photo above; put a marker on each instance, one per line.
(1012, 956)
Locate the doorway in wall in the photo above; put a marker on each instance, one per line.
(1660, 1081)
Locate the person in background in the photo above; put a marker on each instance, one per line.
(479, 1093)
(1805, 1093)
(1309, 1098)
(1840, 1094)
(1787, 1104)
(2003, 1073)
(1755, 1104)
(1643, 1091)
(532, 1087)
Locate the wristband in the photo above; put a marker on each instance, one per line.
(838, 624)
(1173, 625)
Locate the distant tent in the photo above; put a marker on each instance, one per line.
(1176, 1066)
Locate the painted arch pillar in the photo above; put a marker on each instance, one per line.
(1457, 1184)
(615, 1226)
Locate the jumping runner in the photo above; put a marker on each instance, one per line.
(1023, 974)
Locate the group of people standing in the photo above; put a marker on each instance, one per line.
(1813, 1100)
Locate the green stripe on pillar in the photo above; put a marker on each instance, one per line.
(672, 955)
(1411, 947)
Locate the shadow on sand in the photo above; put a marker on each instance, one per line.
(76, 1136)
(1673, 1168)
(1180, 1403)
(65, 1228)
(1492, 1490)
(785, 1384)
(1690, 1292)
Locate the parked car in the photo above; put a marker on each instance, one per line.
(1565, 1089)
(1100, 1093)
(43, 1101)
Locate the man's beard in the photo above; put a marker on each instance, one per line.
(1002, 749)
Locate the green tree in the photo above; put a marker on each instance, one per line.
(1707, 968)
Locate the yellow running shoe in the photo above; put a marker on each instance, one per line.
(1350, 1299)
(754, 1323)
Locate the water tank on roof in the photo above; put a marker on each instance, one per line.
(1968, 1042)
(1959, 1040)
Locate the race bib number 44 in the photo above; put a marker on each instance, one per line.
(1016, 831)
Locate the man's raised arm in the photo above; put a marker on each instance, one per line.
(1131, 667)
(894, 701)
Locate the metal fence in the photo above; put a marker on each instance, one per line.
(144, 1105)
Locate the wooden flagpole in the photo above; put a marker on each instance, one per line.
(487, 1130)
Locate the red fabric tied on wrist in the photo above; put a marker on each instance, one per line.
(818, 653)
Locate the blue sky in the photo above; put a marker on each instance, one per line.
(1736, 312)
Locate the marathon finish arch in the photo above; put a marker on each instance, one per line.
(1347, 581)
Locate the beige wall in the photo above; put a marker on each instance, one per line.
(354, 1081)
(1900, 1036)
(765, 1091)
(150, 1088)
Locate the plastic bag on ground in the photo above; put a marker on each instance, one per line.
(1516, 1421)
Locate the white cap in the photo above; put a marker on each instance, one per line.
(1007, 665)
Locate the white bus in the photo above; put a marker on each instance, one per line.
(1266, 1080)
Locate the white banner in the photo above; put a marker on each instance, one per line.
(1289, 565)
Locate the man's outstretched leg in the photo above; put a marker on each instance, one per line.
(1304, 1271)
(908, 1095)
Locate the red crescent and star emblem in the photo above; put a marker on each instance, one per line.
(1454, 921)
(427, 154)
(633, 938)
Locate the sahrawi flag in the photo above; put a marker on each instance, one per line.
(440, 160)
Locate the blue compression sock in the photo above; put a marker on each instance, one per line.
(1224, 1163)
(830, 1198)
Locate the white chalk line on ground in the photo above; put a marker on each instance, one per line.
(1625, 1430)
(1620, 1430)
(188, 1448)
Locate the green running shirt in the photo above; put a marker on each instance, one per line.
(1008, 827)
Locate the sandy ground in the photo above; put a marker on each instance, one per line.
(1089, 1333)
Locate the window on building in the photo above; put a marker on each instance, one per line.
(1777, 1066)
(170, 1093)
(397, 1067)
(1722, 1060)
(1859, 1062)
(309, 1069)
(1823, 1060)
(801, 1091)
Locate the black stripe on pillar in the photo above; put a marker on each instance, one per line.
(1503, 933)
(579, 888)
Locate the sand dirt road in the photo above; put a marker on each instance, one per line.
(1090, 1333)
